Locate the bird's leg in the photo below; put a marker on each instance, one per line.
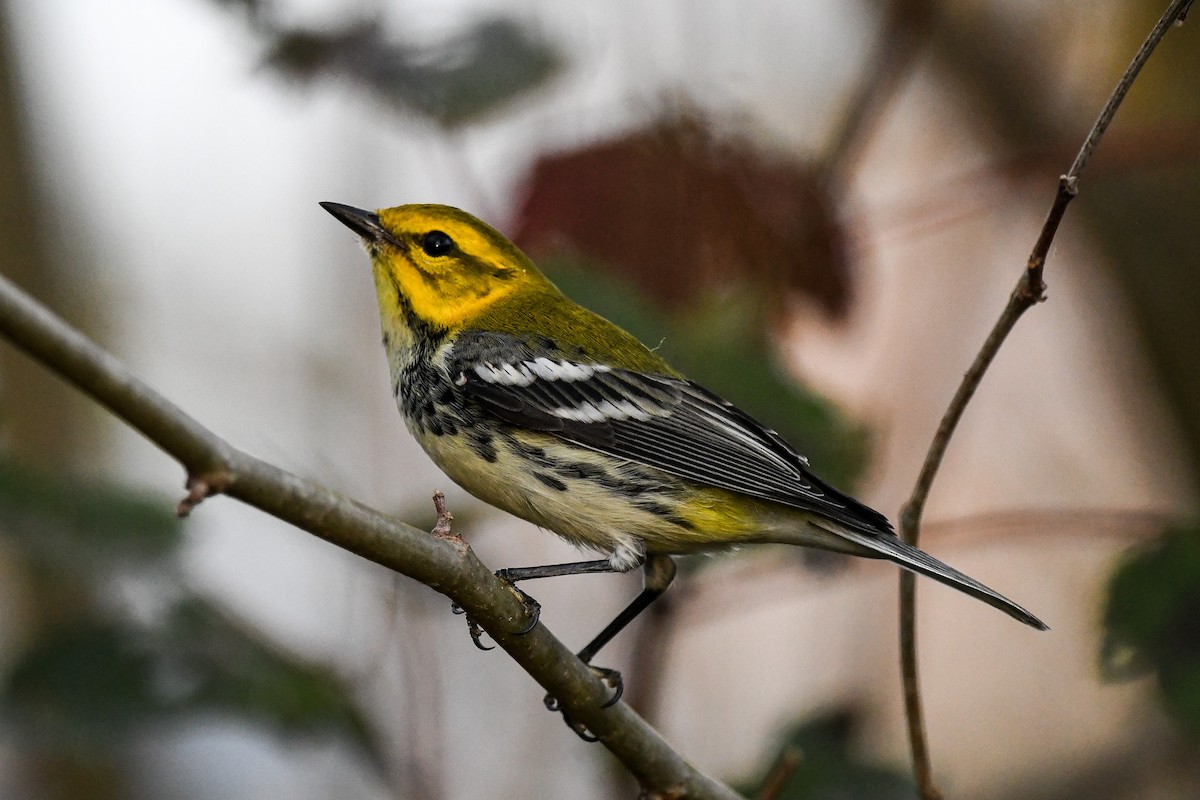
(533, 608)
(514, 574)
(657, 574)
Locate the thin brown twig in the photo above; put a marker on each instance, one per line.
(1030, 290)
(436, 561)
(777, 780)
(443, 528)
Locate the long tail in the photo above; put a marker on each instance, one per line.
(894, 549)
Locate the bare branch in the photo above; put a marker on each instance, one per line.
(213, 466)
(1030, 290)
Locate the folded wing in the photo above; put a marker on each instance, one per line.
(660, 421)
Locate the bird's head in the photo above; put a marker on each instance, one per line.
(444, 264)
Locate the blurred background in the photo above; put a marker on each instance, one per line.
(817, 209)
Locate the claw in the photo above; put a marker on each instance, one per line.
(533, 609)
(613, 680)
(472, 627)
(581, 731)
(476, 632)
(551, 703)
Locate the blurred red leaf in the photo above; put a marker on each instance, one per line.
(678, 212)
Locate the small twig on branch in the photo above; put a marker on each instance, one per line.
(202, 487)
(777, 780)
(1030, 291)
(442, 529)
(215, 466)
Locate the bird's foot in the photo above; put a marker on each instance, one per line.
(616, 684)
(613, 680)
(533, 609)
(533, 612)
(473, 627)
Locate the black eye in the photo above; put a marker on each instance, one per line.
(437, 243)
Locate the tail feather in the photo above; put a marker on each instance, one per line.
(894, 549)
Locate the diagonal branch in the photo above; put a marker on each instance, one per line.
(442, 562)
(1030, 290)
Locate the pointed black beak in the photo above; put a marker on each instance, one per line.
(365, 223)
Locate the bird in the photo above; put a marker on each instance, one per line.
(542, 408)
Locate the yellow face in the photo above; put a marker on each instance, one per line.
(444, 263)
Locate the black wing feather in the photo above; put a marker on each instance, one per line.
(668, 423)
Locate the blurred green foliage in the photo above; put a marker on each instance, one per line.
(72, 527)
(825, 767)
(1142, 213)
(114, 644)
(98, 683)
(1151, 622)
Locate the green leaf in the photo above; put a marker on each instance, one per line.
(66, 523)
(825, 767)
(1151, 621)
(228, 667)
(96, 683)
(86, 685)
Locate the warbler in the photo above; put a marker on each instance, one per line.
(548, 411)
